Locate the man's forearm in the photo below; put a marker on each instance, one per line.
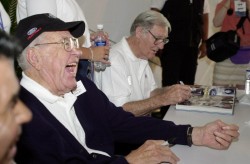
(220, 14)
(86, 53)
(142, 107)
(158, 91)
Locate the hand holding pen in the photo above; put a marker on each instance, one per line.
(192, 89)
(174, 94)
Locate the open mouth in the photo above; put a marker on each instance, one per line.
(155, 51)
(71, 68)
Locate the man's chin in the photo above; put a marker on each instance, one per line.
(74, 88)
(73, 85)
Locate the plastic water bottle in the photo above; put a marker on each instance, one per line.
(247, 83)
(100, 40)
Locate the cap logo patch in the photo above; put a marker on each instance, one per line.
(32, 32)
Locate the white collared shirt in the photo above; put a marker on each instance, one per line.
(128, 78)
(61, 108)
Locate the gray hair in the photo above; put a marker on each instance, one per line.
(21, 59)
(148, 19)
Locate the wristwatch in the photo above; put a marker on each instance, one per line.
(189, 136)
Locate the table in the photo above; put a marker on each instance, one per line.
(238, 152)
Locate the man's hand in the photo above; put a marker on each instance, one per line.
(152, 152)
(175, 94)
(202, 50)
(216, 135)
(101, 54)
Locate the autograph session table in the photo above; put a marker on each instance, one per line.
(238, 152)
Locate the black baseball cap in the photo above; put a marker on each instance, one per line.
(31, 27)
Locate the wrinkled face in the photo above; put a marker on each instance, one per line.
(13, 113)
(152, 41)
(56, 64)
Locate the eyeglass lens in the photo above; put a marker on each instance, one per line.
(70, 43)
(158, 40)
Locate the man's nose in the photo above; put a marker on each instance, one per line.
(77, 52)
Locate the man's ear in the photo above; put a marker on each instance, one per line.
(33, 58)
(139, 32)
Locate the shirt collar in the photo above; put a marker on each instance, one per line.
(130, 53)
(42, 93)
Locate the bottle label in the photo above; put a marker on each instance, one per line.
(100, 43)
(99, 66)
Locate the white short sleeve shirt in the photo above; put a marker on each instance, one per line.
(5, 19)
(128, 78)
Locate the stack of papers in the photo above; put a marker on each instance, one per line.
(210, 99)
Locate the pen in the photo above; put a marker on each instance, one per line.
(192, 89)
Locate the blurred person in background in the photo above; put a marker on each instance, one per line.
(5, 22)
(232, 71)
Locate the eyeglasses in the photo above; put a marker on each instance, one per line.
(69, 43)
(159, 40)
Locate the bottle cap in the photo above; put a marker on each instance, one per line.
(100, 26)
